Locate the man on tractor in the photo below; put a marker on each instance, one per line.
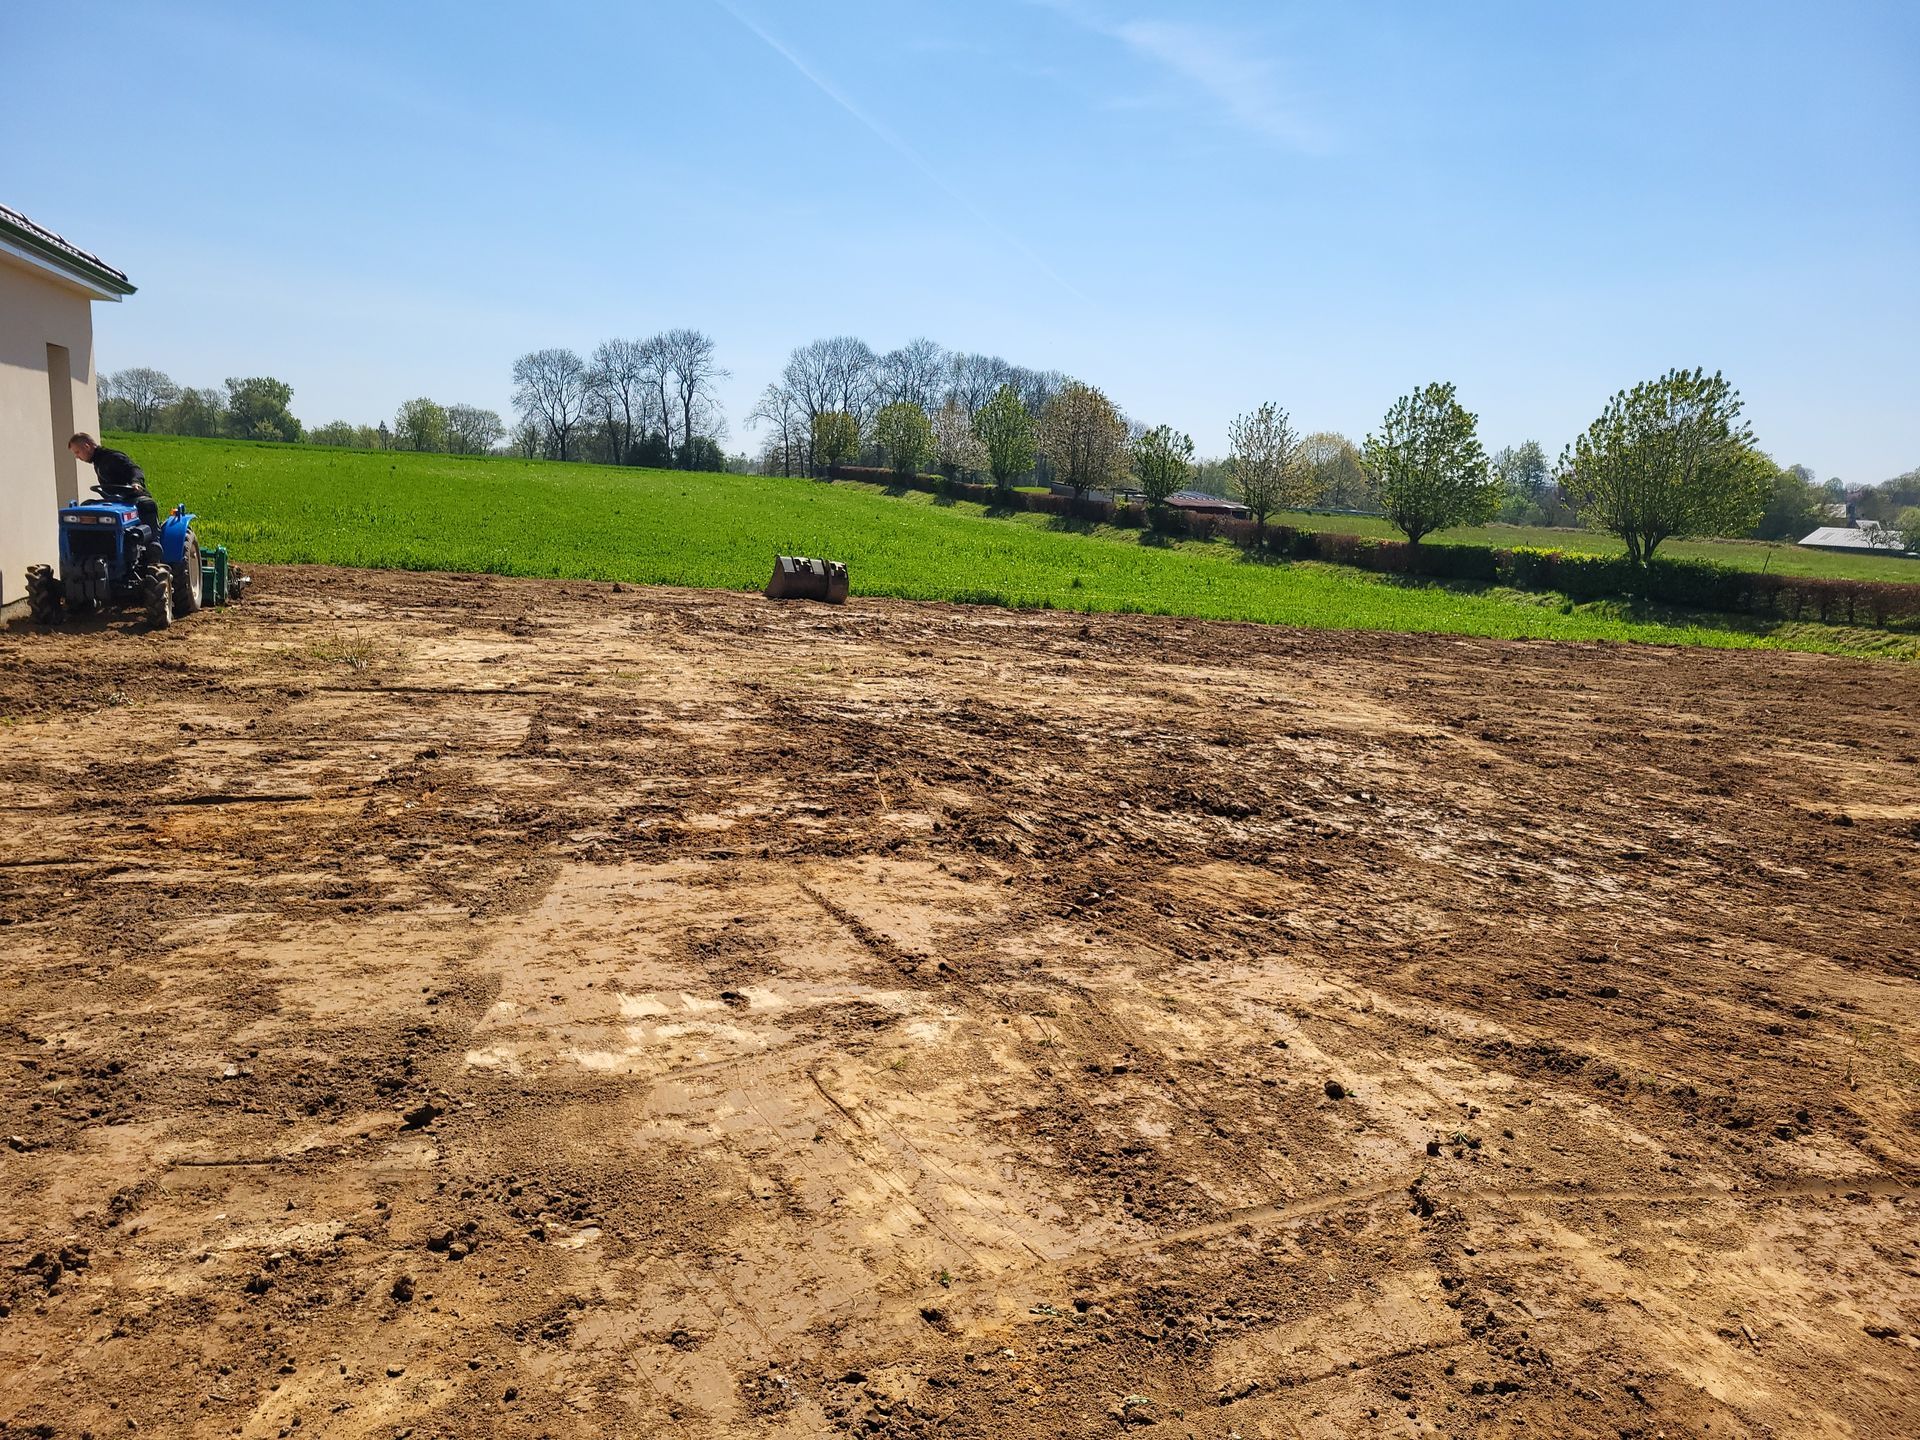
(117, 477)
(117, 550)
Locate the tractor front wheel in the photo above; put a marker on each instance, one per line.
(156, 592)
(186, 578)
(43, 595)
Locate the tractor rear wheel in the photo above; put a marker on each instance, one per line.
(186, 578)
(43, 595)
(156, 592)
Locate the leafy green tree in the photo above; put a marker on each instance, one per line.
(904, 432)
(1885, 502)
(836, 438)
(257, 409)
(1427, 464)
(1083, 437)
(420, 425)
(201, 413)
(1269, 469)
(1670, 457)
(1335, 472)
(334, 432)
(472, 430)
(701, 453)
(1795, 505)
(1522, 469)
(1524, 480)
(1163, 461)
(1908, 524)
(1006, 429)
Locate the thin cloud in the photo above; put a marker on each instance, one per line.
(893, 142)
(1246, 86)
(1243, 85)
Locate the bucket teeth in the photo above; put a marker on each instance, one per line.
(800, 577)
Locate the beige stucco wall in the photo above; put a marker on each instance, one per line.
(36, 472)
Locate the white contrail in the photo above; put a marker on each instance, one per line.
(846, 102)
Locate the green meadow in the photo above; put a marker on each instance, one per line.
(299, 504)
(1778, 557)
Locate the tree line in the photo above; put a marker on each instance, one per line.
(144, 400)
(1668, 457)
(653, 401)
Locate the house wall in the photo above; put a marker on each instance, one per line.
(43, 322)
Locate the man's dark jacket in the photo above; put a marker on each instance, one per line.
(120, 478)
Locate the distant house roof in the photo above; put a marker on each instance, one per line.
(1194, 500)
(25, 240)
(1868, 535)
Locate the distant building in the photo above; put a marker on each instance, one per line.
(1869, 537)
(47, 389)
(1061, 488)
(1196, 503)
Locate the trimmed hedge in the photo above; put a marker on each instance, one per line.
(1690, 584)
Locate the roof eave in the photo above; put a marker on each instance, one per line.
(99, 284)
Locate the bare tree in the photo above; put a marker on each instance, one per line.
(619, 383)
(1035, 387)
(656, 381)
(142, 394)
(848, 374)
(551, 387)
(829, 376)
(915, 373)
(689, 362)
(788, 445)
(972, 379)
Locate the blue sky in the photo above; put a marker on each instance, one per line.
(1197, 206)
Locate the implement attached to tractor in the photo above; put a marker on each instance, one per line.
(117, 552)
(795, 577)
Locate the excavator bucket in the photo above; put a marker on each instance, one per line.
(795, 577)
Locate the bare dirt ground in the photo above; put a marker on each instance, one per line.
(440, 1006)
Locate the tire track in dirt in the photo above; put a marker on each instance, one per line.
(1144, 850)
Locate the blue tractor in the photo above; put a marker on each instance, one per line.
(116, 552)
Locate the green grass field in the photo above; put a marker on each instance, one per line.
(290, 504)
(1782, 559)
